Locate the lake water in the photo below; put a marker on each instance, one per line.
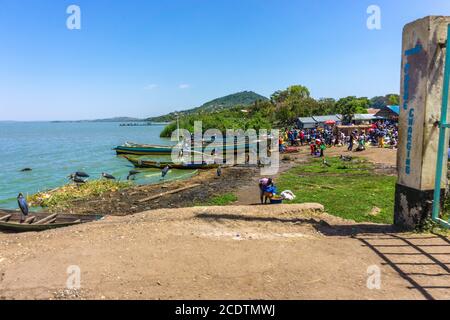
(54, 150)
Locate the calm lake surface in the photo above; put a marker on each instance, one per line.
(54, 150)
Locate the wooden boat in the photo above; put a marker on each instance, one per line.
(40, 221)
(143, 149)
(147, 149)
(140, 163)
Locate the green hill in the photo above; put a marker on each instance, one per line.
(244, 98)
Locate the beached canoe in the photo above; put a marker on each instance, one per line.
(39, 221)
(140, 163)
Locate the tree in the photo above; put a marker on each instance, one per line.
(298, 92)
(378, 102)
(350, 106)
(388, 100)
(326, 106)
(285, 115)
(393, 99)
(292, 92)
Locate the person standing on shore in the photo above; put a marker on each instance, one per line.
(350, 143)
(322, 148)
(381, 141)
(263, 184)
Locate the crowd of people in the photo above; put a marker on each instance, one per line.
(381, 134)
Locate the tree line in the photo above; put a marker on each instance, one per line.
(283, 108)
(296, 101)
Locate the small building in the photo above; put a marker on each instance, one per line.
(364, 119)
(306, 123)
(389, 113)
(322, 119)
(347, 130)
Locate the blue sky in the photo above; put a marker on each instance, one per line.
(146, 58)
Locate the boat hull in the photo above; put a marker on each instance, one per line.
(144, 150)
(141, 150)
(12, 224)
(160, 165)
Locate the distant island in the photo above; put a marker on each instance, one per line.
(115, 119)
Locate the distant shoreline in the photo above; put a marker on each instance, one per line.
(143, 122)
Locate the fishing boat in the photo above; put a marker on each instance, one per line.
(148, 149)
(40, 221)
(140, 163)
(143, 149)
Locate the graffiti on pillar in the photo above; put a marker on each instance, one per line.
(414, 58)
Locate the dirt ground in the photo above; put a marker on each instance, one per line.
(248, 252)
(231, 252)
(384, 160)
(241, 181)
(129, 201)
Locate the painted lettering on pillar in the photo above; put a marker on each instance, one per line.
(406, 98)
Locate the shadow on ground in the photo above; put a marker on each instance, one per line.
(423, 261)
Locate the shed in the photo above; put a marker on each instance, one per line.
(322, 119)
(306, 123)
(364, 118)
(389, 112)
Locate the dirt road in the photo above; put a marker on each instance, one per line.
(253, 252)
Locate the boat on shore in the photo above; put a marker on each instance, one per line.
(143, 149)
(149, 149)
(40, 221)
(141, 163)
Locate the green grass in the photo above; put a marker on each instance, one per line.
(221, 200)
(62, 196)
(347, 189)
(446, 210)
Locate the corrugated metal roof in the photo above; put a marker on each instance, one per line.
(307, 120)
(365, 117)
(395, 109)
(334, 117)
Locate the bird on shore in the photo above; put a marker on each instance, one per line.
(164, 172)
(346, 158)
(23, 205)
(132, 174)
(108, 176)
(81, 174)
(219, 171)
(325, 163)
(76, 178)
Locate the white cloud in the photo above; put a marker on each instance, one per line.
(184, 86)
(150, 87)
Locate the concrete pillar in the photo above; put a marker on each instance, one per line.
(423, 61)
